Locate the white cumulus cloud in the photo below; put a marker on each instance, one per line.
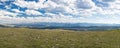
(32, 12)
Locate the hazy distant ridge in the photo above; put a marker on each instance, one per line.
(70, 26)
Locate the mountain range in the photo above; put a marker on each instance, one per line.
(67, 26)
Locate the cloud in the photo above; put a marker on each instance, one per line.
(7, 13)
(3, 0)
(32, 12)
(84, 4)
(60, 11)
(30, 5)
(16, 10)
(60, 18)
(108, 0)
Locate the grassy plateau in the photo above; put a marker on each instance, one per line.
(58, 38)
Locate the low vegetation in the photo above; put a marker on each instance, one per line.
(57, 38)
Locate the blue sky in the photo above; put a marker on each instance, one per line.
(61, 11)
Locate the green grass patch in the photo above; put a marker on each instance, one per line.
(34, 38)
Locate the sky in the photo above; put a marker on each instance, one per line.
(60, 11)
